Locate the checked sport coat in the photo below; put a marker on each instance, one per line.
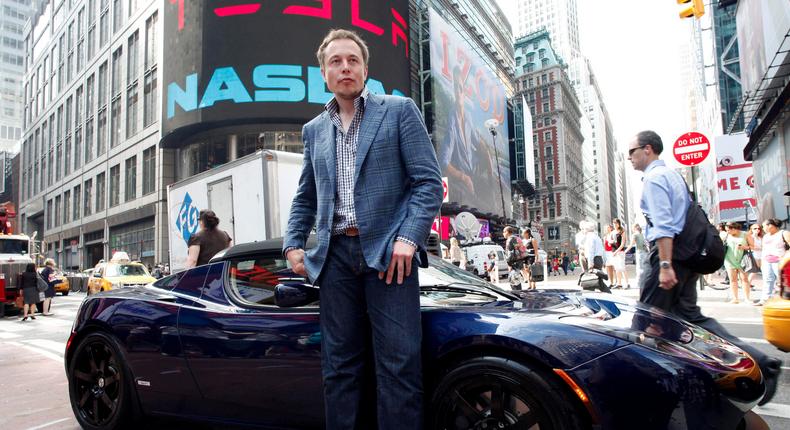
(397, 183)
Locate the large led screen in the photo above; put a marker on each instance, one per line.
(230, 62)
(466, 95)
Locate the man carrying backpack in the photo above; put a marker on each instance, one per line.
(665, 283)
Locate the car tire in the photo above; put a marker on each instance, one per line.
(100, 384)
(465, 398)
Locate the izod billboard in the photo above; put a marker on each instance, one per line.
(228, 63)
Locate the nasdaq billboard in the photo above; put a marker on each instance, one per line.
(230, 62)
(467, 95)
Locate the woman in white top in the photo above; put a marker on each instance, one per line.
(756, 233)
(457, 256)
(774, 246)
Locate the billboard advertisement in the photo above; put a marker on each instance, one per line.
(229, 63)
(734, 178)
(466, 96)
(771, 173)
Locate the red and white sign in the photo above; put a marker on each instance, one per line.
(691, 148)
(445, 192)
(734, 178)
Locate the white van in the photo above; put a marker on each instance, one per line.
(477, 255)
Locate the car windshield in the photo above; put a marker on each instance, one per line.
(125, 270)
(13, 246)
(441, 273)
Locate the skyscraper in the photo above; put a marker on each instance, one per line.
(560, 19)
(15, 14)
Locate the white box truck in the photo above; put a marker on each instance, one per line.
(251, 197)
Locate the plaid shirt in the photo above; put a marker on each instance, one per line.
(346, 154)
(345, 216)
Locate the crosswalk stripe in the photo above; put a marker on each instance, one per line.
(754, 340)
(4, 335)
(50, 345)
(45, 353)
(774, 410)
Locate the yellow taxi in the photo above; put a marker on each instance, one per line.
(117, 273)
(776, 311)
(62, 285)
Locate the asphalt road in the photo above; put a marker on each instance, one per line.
(35, 395)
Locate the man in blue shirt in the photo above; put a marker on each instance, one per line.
(664, 283)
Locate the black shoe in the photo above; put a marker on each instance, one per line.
(32, 317)
(771, 370)
(24, 319)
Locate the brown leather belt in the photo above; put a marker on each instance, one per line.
(351, 231)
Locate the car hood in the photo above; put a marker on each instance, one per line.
(566, 329)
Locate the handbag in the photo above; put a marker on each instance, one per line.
(588, 281)
(41, 284)
(536, 272)
(19, 302)
(748, 263)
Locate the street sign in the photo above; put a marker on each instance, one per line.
(445, 193)
(691, 148)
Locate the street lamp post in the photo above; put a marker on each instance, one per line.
(492, 124)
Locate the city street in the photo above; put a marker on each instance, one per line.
(36, 397)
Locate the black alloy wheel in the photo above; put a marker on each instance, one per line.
(98, 384)
(495, 393)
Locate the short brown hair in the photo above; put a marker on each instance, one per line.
(340, 33)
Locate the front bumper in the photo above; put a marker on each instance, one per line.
(649, 390)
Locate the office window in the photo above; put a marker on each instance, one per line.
(101, 91)
(70, 55)
(104, 23)
(546, 122)
(57, 213)
(78, 146)
(545, 107)
(115, 78)
(87, 198)
(547, 136)
(548, 151)
(130, 189)
(67, 207)
(101, 197)
(150, 41)
(49, 214)
(78, 105)
(61, 60)
(75, 213)
(117, 15)
(101, 132)
(67, 156)
(544, 92)
(115, 185)
(549, 165)
(131, 110)
(149, 170)
(132, 7)
(149, 98)
(149, 79)
(132, 57)
(90, 41)
(115, 122)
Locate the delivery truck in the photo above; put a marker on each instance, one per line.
(251, 197)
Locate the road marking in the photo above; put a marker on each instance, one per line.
(746, 321)
(754, 340)
(45, 353)
(51, 345)
(774, 410)
(4, 335)
(48, 424)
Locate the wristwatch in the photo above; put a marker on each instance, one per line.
(664, 264)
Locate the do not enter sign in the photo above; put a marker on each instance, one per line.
(691, 149)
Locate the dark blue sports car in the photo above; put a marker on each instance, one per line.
(237, 341)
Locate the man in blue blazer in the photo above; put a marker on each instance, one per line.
(371, 185)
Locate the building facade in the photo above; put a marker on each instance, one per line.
(763, 29)
(728, 68)
(93, 176)
(558, 205)
(15, 14)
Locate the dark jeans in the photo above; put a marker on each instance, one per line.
(681, 300)
(359, 310)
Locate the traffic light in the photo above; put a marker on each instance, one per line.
(697, 9)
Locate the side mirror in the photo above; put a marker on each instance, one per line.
(294, 295)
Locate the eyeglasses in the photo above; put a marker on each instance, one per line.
(631, 151)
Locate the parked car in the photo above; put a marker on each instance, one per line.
(238, 341)
(477, 256)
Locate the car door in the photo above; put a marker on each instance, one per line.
(252, 360)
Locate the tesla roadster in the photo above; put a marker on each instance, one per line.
(237, 342)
